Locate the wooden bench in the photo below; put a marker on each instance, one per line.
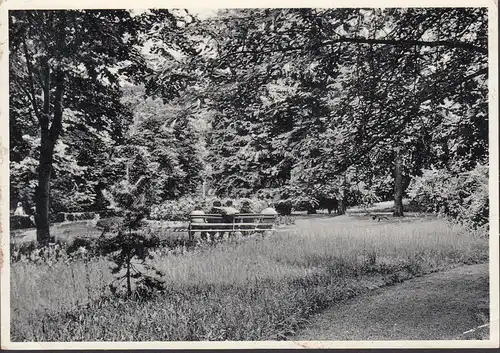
(211, 224)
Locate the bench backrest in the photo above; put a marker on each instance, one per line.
(240, 222)
(236, 218)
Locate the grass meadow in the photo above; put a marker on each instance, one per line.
(250, 289)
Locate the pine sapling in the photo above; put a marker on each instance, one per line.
(128, 243)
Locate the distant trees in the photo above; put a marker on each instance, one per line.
(168, 133)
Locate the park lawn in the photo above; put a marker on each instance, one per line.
(253, 289)
(383, 206)
(64, 232)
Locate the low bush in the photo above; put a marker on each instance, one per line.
(173, 210)
(30, 252)
(86, 244)
(284, 207)
(179, 210)
(254, 205)
(21, 222)
(75, 216)
(463, 197)
(108, 223)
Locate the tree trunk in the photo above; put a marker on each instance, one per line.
(398, 186)
(47, 143)
(129, 285)
(42, 193)
(343, 198)
(311, 210)
(49, 132)
(342, 205)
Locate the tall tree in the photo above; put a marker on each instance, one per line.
(68, 59)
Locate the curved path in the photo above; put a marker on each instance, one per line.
(439, 306)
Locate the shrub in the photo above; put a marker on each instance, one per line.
(256, 205)
(129, 251)
(178, 210)
(173, 210)
(89, 245)
(304, 202)
(460, 196)
(108, 223)
(21, 222)
(109, 213)
(284, 207)
(74, 216)
(19, 251)
(31, 252)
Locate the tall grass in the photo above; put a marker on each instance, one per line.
(256, 289)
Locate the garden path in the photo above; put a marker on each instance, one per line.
(440, 306)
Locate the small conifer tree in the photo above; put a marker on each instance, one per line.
(128, 243)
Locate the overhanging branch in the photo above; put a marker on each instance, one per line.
(408, 43)
(393, 42)
(32, 95)
(396, 128)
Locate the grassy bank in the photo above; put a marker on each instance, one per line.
(257, 289)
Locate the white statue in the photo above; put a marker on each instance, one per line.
(20, 210)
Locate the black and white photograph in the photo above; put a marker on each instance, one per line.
(277, 174)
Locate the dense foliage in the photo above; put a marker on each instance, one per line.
(178, 210)
(307, 108)
(321, 115)
(461, 196)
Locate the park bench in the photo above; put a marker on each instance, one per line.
(244, 223)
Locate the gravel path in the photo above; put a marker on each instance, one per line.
(439, 306)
